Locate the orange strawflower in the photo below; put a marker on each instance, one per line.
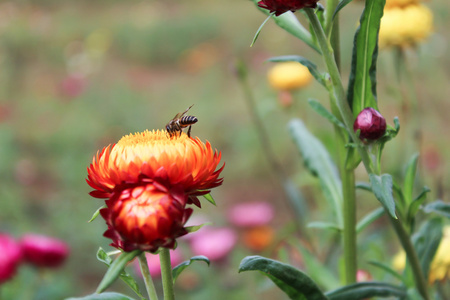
(148, 179)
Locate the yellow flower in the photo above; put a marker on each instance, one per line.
(440, 266)
(400, 3)
(403, 27)
(148, 180)
(288, 76)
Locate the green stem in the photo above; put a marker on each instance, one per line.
(166, 274)
(151, 291)
(347, 117)
(412, 257)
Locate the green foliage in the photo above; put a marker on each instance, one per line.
(96, 213)
(382, 189)
(438, 207)
(210, 199)
(320, 164)
(362, 82)
(296, 284)
(363, 290)
(182, 266)
(116, 268)
(103, 296)
(318, 108)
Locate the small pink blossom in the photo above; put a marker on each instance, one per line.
(251, 214)
(44, 251)
(154, 264)
(213, 243)
(10, 257)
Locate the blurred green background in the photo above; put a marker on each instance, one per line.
(75, 76)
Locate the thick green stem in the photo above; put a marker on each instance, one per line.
(151, 291)
(166, 274)
(412, 257)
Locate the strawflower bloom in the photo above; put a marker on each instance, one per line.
(10, 257)
(250, 214)
(404, 27)
(288, 76)
(371, 123)
(148, 179)
(400, 3)
(44, 251)
(281, 6)
(258, 238)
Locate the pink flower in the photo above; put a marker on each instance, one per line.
(73, 85)
(10, 257)
(362, 276)
(251, 214)
(213, 243)
(154, 265)
(44, 251)
(282, 6)
(371, 123)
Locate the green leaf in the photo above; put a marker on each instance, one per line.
(320, 77)
(340, 6)
(387, 268)
(318, 108)
(210, 199)
(96, 213)
(438, 207)
(126, 277)
(115, 269)
(259, 30)
(369, 218)
(363, 186)
(103, 296)
(180, 268)
(382, 189)
(324, 225)
(416, 203)
(196, 227)
(290, 23)
(362, 81)
(319, 163)
(364, 290)
(426, 242)
(352, 158)
(410, 176)
(296, 284)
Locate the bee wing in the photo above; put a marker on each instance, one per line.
(184, 112)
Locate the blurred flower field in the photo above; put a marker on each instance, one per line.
(78, 75)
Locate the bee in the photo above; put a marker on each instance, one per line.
(179, 122)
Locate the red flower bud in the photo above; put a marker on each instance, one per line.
(10, 257)
(282, 6)
(371, 124)
(44, 251)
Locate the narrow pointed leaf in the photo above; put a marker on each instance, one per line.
(340, 6)
(369, 218)
(318, 108)
(196, 227)
(210, 199)
(324, 225)
(96, 213)
(382, 189)
(180, 268)
(259, 30)
(289, 22)
(115, 269)
(296, 284)
(320, 77)
(415, 205)
(362, 81)
(103, 296)
(363, 290)
(319, 163)
(387, 269)
(438, 207)
(426, 242)
(410, 177)
(124, 276)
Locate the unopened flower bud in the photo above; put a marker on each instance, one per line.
(44, 251)
(281, 6)
(371, 124)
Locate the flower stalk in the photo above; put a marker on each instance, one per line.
(151, 291)
(166, 274)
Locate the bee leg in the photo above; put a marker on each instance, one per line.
(189, 131)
